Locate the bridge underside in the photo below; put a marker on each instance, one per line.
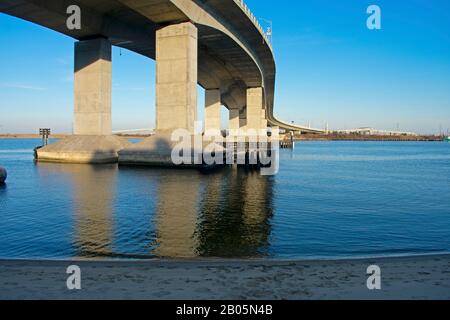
(223, 52)
(132, 25)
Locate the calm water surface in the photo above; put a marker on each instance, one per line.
(330, 199)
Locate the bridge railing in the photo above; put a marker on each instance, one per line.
(255, 20)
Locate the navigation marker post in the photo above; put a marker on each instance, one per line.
(44, 133)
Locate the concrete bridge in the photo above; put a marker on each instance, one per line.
(218, 44)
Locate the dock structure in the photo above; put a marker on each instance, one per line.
(287, 144)
(249, 154)
(287, 141)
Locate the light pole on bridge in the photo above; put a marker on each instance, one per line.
(269, 32)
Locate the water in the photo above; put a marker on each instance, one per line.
(330, 199)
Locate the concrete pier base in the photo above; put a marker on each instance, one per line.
(157, 151)
(83, 149)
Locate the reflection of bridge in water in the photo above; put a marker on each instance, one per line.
(175, 214)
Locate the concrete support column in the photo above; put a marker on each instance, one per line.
(263, 119)
(92, 141)
(273, 136)
(212, 110)
(176, 77)
(243, 119)
(254, 108)
(234, 119)
(92, 87)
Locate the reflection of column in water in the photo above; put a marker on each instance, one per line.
(213, 193)
(240, 225)
(257, 209)
(218, 206)
(93, 193)
(254, 188)
(177, 214)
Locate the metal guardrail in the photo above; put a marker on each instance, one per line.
(255, 21)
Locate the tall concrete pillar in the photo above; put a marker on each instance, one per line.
(176, 99)
(254, 108)
(176, 77)
(92, 141)
(263, 119)
(92, 87)
(243, 119)
(233, 124)
(212, 110)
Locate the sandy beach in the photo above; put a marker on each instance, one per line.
(420, 277)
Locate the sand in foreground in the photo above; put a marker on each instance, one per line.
(424, 277)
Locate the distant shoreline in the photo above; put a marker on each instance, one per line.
(357, 137)
(53, 136)
(30, 136)
(304, 137)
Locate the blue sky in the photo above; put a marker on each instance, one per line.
(330, 67)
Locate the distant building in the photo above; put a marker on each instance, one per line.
(372, 131)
